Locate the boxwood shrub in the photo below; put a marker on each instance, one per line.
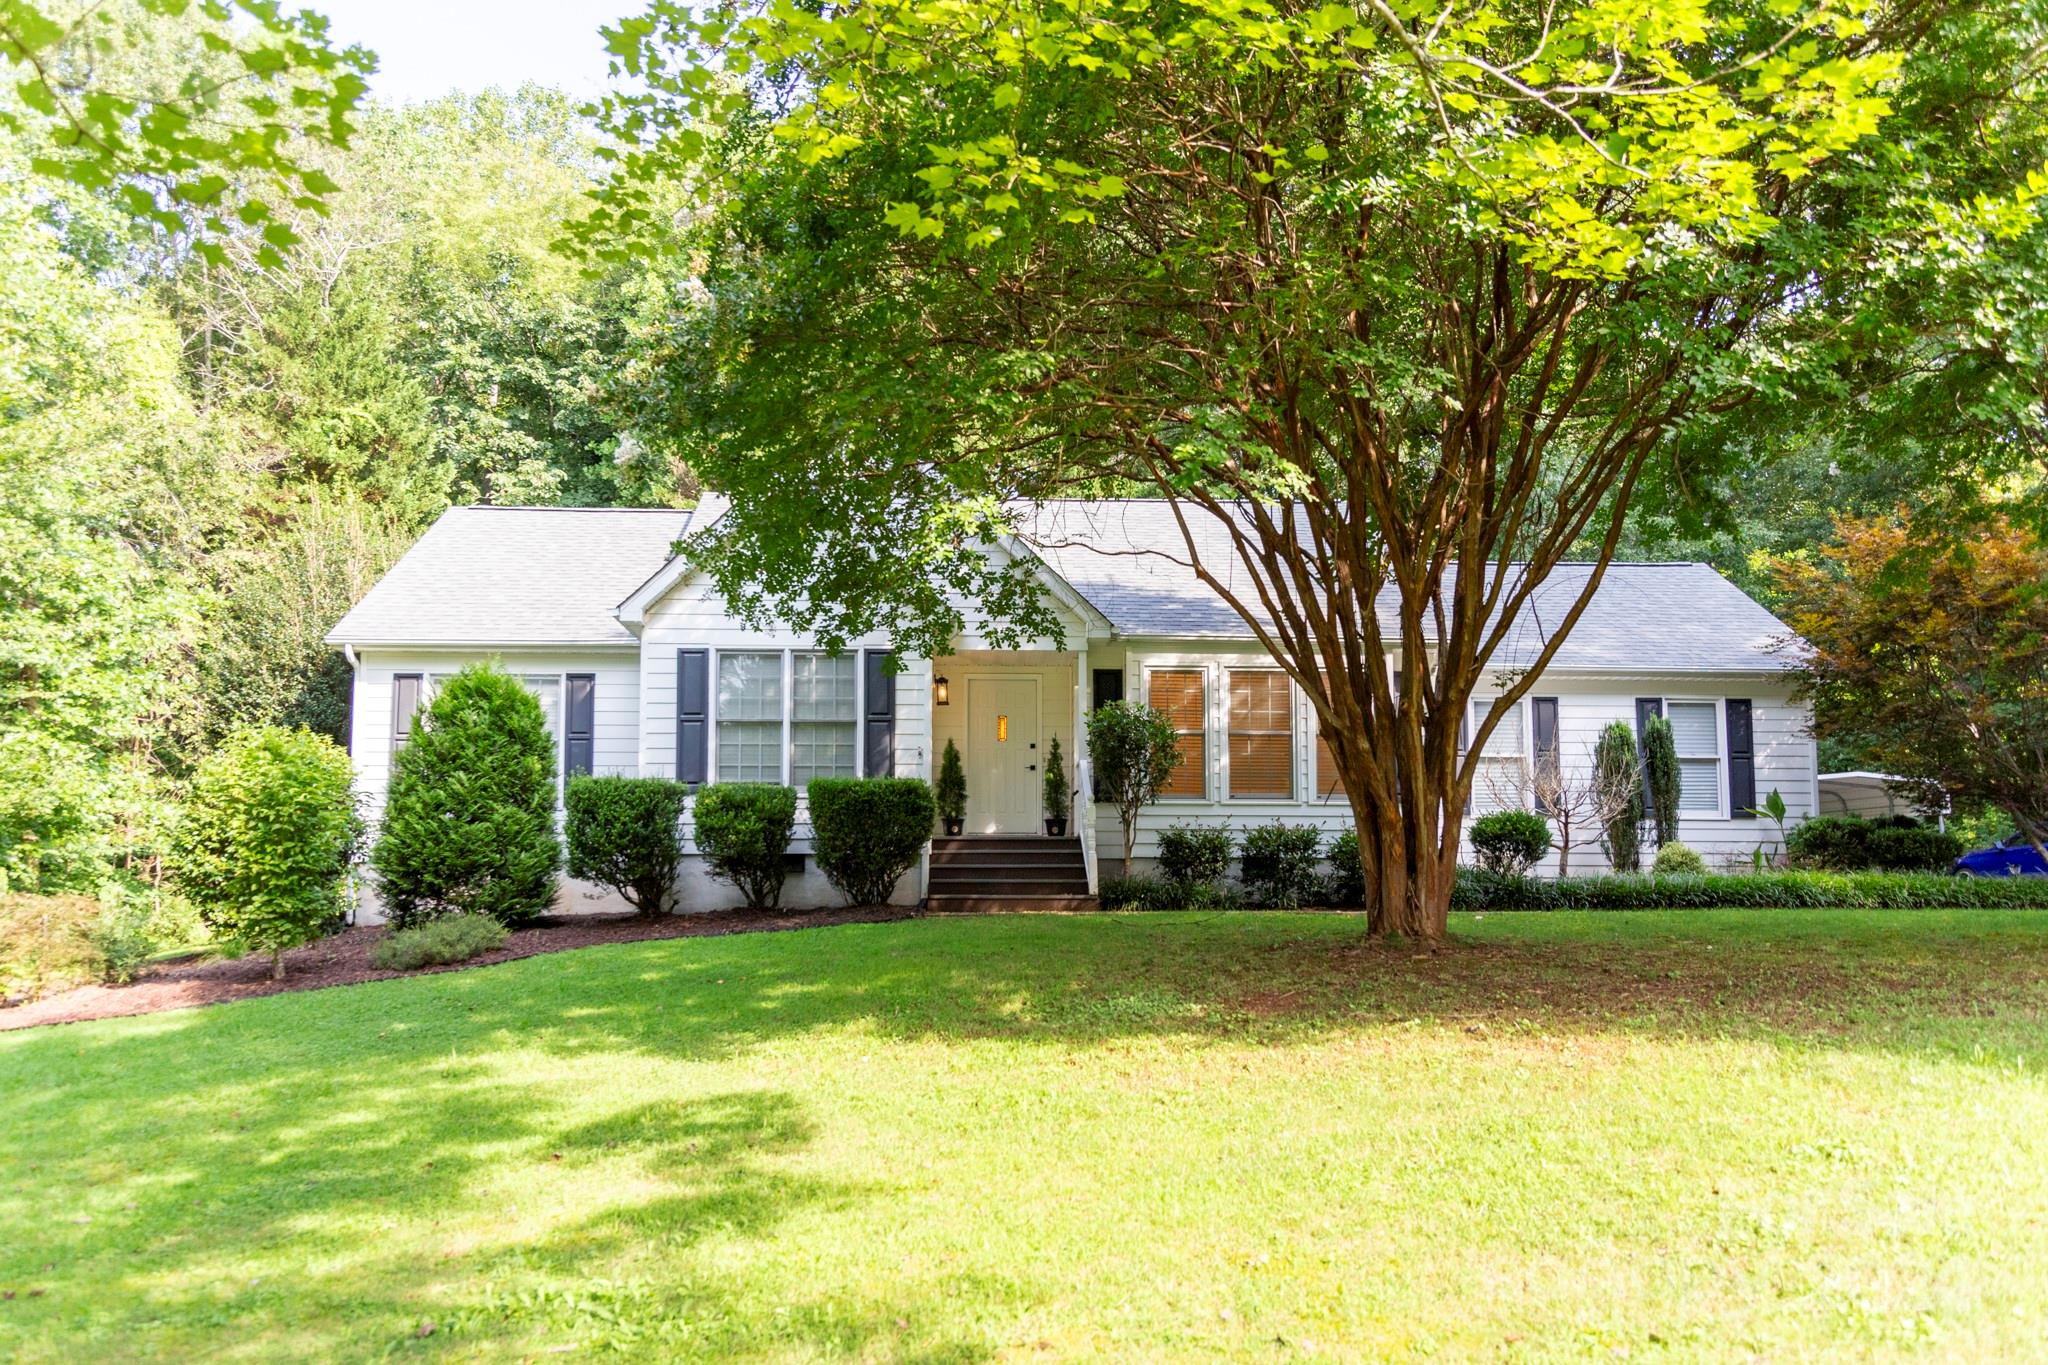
(1844, 843)
(1194, 855)
(868, 831)
(743, 830)
(1480, 890)
(626, 833)
(1509, 842)
(1347, 872)
(1278, 866)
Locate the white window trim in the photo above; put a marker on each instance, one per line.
(787, 747)
(1719, 706)
(1207, 668)
(1292, 796)
(1525, 794)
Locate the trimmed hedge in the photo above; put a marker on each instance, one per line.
(625, 833)
(1194, 855)
(1347, 871)
(1677, 860)
(743, 829)
(868, 831)
(1509, 842)
(1279, 866)
(1478, 890)
(1846, 843)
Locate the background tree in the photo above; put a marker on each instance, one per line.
(469, 821)
(1133, 751)
(1618, 774)
(1367, 292)
(1930, 648)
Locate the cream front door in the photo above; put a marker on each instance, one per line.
(1002, 757)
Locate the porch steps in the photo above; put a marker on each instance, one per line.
(1019, 872)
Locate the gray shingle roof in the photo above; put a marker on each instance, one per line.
(1129, 558)
(515, 575)
(552, 575)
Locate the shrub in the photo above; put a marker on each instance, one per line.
(1194, 855)
(743, 830)
(626, 833)
(1509, 842)
(1059, 793)
(469, 824)
(451, 938)
(1847, 843)
(1479, 890)
(1134, 750)
(1660, 762)
(122, 938)
(46, 944)
(867, 832)
(1614, 759)
(1676, 860)
(1278, 865)
(265, 840)
(1139, 893)
(1347, 871)
(950, 796)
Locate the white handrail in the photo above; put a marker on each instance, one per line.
(1084, 817)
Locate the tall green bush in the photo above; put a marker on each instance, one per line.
(951, 793)
(743, 830)
(868, 832)
(265, 840)
(1059, 793)
(469, 822)
(1194, 855)
(626, 833)
(1660, 764)
(1614, 759)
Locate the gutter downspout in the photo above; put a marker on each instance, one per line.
(355, 668)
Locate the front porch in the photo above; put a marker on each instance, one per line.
(1004, 710)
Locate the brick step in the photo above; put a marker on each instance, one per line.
(966, 904)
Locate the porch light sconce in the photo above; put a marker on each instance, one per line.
(942, 691)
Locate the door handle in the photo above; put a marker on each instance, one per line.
(1030, 767)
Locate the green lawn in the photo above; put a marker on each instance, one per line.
(1664, 1136)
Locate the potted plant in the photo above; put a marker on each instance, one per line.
(951, 791)
(1057, 792)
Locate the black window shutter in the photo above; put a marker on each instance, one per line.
(405, 699)
(879, 726)
(693, 713)
(1106, 686)
(1646, 707)
(1741, 759)
(579, 737)
(1543, 728)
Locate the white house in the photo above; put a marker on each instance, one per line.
(641, 669)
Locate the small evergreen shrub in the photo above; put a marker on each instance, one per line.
(1194, 855)
(626, 833)
(1509, 842)
(1278, 865)
(743, 830)
(1848, 843)
(265, 840)
(451, 938)
(1617, 769)
(1676, 860)
(1480, 890)
(950, 795)
(1347, 871)
(469, 822)
(1139, 893)
(868, 832)
(1059, 792)
(1660, 765)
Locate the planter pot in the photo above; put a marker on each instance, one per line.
(1056, 826)
(954, 824)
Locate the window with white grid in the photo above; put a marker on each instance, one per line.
(1500, 781)
(750, 717)
(824, 715)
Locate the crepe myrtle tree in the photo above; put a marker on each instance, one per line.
(1391, 304)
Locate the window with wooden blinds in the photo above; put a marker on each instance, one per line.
(1178, 694)
(1261, 733)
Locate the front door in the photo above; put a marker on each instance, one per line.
(1003, 795)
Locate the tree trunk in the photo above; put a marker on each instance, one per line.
(1407, 880)
(1564, 845)
(277, 964)
(1130, 819)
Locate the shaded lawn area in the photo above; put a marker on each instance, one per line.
(1659, 1135)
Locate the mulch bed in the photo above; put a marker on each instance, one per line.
(344, 960)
